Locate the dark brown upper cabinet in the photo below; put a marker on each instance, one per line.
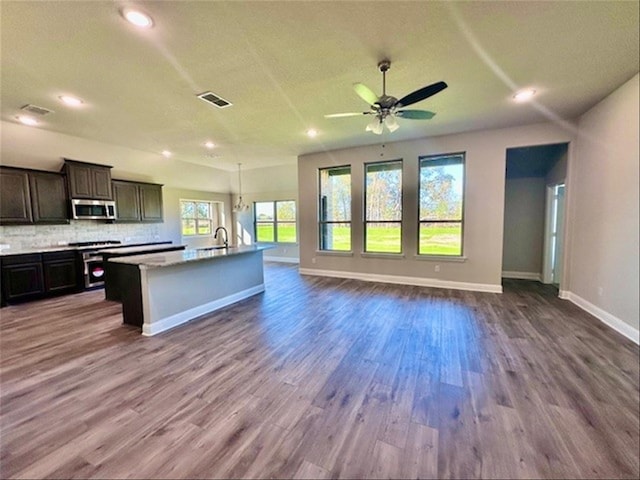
(150, 202)
(15, 203)
(127, 197)
(138, 202)
(32, 196)
(48, 197)
(88, 180)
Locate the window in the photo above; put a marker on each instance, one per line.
(441, 205)
(383, 207)
(335, 209)
(197, 217)
(275, 221)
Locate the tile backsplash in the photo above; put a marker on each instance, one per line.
(29, 236)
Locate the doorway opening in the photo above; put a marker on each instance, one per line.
(533, 238)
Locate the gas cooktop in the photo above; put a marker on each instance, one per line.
(98, 243)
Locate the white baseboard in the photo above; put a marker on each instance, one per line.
(605, 317)
(282, 259)
(149, 329)
(523, 275)
(403, 280)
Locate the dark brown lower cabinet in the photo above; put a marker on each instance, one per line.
(33, 276)
(61, 272)
(22, 278)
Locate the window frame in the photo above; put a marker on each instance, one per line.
(274, 222)
(364, 210)
(212, 205)
(334, 222)
(462, 217)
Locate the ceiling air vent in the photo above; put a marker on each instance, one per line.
(36, 110)
(214, 99)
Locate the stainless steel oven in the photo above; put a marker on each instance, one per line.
(93, 269)
(92, 262)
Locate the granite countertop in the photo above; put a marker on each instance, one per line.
(141, 249)
(61, 248)
(5, 252)
(167, 259)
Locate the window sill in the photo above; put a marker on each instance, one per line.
(395, 256)
(334, 253)
(440, 258)
(279, 244)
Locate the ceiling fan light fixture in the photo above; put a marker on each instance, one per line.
(391, 123)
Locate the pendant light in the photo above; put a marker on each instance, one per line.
(240, 206)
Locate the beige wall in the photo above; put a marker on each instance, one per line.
(603, 263)
(31, 147)
(265, 184)
(524, 210)
(484, 203)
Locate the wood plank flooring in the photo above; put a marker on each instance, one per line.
(321, 378)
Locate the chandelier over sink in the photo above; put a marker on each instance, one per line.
(240, 206)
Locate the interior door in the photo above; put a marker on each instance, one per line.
(558, 234)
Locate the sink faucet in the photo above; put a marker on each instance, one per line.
(226, 236)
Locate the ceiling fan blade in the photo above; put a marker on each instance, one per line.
(421, 94)
(351, 114)
(365, 93)
(415, 114)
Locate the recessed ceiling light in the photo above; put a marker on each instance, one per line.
(166, 153)
(137, 18)
(71, 101)
(524, 95)
(27, 120)
(209, 145)
(312, 132)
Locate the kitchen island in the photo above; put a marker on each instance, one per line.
(164, 290)
(112, 285)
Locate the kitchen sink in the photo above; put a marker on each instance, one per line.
(217, 247)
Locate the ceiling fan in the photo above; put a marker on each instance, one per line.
(386, 108)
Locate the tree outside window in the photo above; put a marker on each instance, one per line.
(335, 209)
(383, 212)
(197, 217)
(441, 205)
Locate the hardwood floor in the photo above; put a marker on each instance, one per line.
(320, 378)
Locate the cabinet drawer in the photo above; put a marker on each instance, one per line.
(64, 255)
(20, 259)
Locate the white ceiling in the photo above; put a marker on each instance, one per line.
(284, 65)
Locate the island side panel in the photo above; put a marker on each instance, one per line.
(179, 293)
(113, 284)
(131, 296)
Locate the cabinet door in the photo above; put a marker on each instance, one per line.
(48, 197)
(151, 203)
(101, 183)
(22, 281)
(127, 201)
(15, 205)
(80, 181)
(60, 275)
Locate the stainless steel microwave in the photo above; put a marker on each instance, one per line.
(93, 209)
